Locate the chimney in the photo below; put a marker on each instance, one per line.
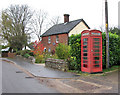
(66, 18)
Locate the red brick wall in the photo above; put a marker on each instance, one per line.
(11, 55)
(63, 38)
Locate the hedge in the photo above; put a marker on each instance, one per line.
(114, 49)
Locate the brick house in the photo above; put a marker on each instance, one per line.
(59, 33)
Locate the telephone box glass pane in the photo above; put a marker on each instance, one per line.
(96, 65)
(84, 43)
(96, 50)
(97, 43)
(85, 39)
(96, 58)
(85, 65)
(96, 39)
(96, 54)
(96, 62)
(84, 57)
(85, 61)
(84, 46)
(84, 50)
(96, 46)
(85, 54)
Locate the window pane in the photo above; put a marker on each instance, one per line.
(97, 50)
(85, 54)
(84, 50)
(96, 65)
(96, 62)
(84, 57)
(49, 50)
(96, 39)
(96, 54)
(97, 43)
(96, 58)
(85, 65)
(85, 39)
(96, 46)
(57, 39)
(84, 46)
(85, 61)
(84, 43)
(49, 39)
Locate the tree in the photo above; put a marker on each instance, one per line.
(115, 30)
(38, 48)
(38, 23)
(38, 51)
(15, 25)
(55, 20)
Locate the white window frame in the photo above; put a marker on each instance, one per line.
(49, 50)
(49, 39)
(57, 39)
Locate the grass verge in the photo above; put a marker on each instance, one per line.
(111, 69)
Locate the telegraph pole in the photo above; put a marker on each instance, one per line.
(107, 35)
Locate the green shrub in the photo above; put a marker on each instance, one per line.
(18, 53)
(23, 52)
(114, 50)
(63, 51)
(49, 55)
(75, 44)
(72, 64)
(26, 55)
(39, 59)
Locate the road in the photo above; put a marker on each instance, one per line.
(16, 81)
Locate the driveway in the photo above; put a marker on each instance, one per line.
(41, 71)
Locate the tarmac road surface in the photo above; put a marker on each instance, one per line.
(16, 81)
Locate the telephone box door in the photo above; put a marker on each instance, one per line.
(96, 54)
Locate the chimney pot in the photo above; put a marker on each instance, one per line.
(66, 18)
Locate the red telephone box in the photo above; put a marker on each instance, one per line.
(91, 51)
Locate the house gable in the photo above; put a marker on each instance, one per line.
(78, 28)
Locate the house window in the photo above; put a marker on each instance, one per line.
(57, 39)
(49, 50)
(45, 49)
(49, 39)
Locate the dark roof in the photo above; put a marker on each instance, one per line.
(63, 28)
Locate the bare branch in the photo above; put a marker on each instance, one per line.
(38, 22)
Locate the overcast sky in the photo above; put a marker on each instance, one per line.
(92, 11)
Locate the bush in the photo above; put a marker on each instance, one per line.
(75, 44)
(49, 55)
(26, 55)
(63, 51)
(39, 59)
(23, 52)
(18, 53)
(114, 49)
(72, 64)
